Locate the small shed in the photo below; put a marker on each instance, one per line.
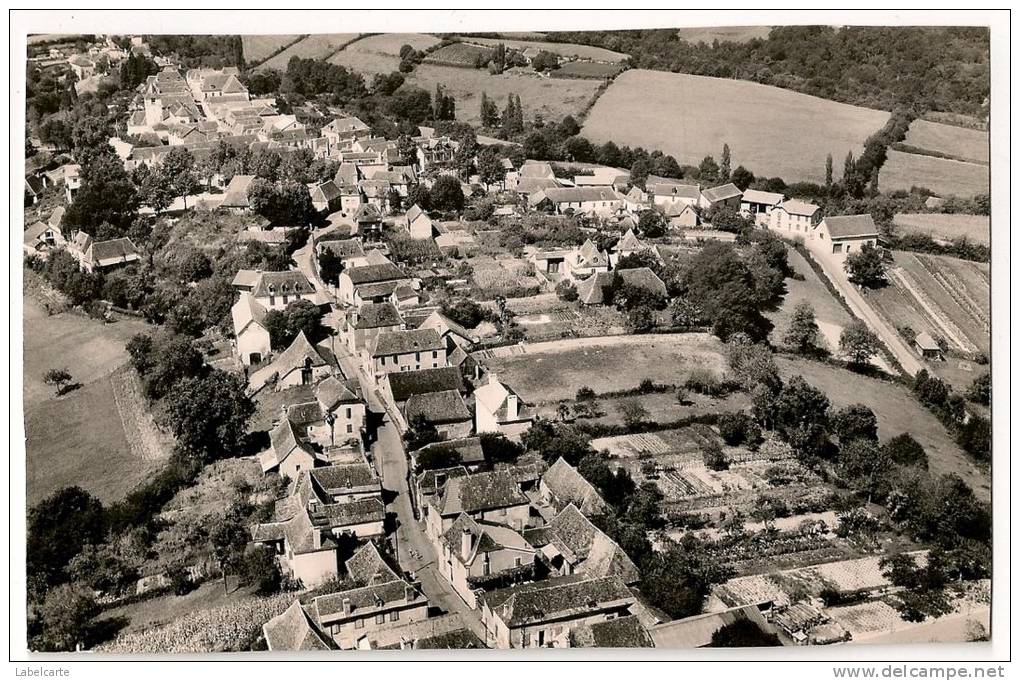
(927, 347)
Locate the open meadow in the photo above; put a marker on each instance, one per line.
(732, 34)
(377, 54)
(553, 98)
(946, 226)
(770, 131)
(317, 46)
(97, 436)
(962, 143)
(563, 49)
(258, 47)
(940, 175)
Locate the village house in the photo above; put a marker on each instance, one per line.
(498, 409)
(287, 454)
(305, 552)
(251, 337)
(839, 235)
(455, 335)
(726, 196)
(444, 410)
(543, 614)
(399, 386)
(562, 485)
(336, 416)
(572, 544)
(680, 214)
(468, 450)
(591, 291)
(601, 201)
(353, 617)
(276, 290)
(620, 632)
(630, 244)
(664, 193)
(418, 223)
(363, 324)
(292, 630)
(759, 205)
(343, 131)
(430, 482)
(927, 347)
(404, 351)
(794, 218)
(43, 237)
(476, 553)
(235, 197)
(102, 255)
(696, 631)
(494, 496)
(326, 196)
(350, 251)
(300, 364)
(575, 264)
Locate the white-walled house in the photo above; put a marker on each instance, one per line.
(498, 409)
(410, 350)
(251, 336)
(837, 236)
(759, 205)
(794, 218)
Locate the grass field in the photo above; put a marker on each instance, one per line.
(458, 54)
(562, 49)
(390, 43)
(313, 47)
(897, 412)
(940, 175)
(770, 131)
(552, 97)
(944, 296)
(963, 143)
(948, 227)
(368, 63)
(258, 47)
(79, 438)
(733, 34)
(554, 370)
(586, 69)
(829, 314)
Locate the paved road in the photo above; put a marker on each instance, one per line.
(863, 310)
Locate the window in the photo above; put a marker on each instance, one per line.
(417, 357)
(382, 361)
(435, 354)
(837, 248)
(348, 412)
(517, 561)
(380, 618)
(359, 624)
(350, 428)
(394, 616)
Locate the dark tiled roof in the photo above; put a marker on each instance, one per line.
(428, 481)
(368, 510)
(469, 449)
(367, 566)
(293, 630)
(371, 274)
(590, 292)
(622, 632)
(847, 226)
(280, 283)
(480, 492)
(726, 191)
(375, 315)
(440, 407)
(569, 487)
(332, 391)
(345, 477)
(403, 342)
(588, 548)
(559, 598)
(367, 599)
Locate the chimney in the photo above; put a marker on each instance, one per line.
(410, 593)
(283, 411)
(512, 407)
(347, 606)
(465, 543)
(493, 377)
(316, 538)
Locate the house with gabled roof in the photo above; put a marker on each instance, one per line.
(562, 485)
(102, 255)
(603, 201)
(576, 263)
(235, 196)
(351, 618)
(344, 130)
(370, 283)
(444, 410)
(453, 333)
(794, 218)
(337, 415)
(41, 238)
(478, 555)
(664, 193)
(630, 244)
(620, 632)
(591, 291)
(468, 451)
(276, 290)
(572, 544)
(293, 630)
(724, 196)
(759, 205)
(300, 364)
(418, 223)
(494, 496)
(363, 324)
(287, 455)
(408, 350)
(837, 236)
(251, 337)
(543, 614)
(498, 409)
(398, 387)
(431, 482)
(325, 196)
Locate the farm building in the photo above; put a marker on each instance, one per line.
(726, 196)
(759, 205)
(591, 291)
(846, 233)
(794, 218)
(927, 347)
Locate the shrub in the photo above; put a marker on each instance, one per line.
(714, 458)
(585, 394)
(738, 428)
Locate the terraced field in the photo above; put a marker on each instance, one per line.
(942, 176)
(962, 143)
(947, 227)
(770, 131)
(317, 46)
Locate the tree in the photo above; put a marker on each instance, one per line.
(261, 569)
(904, 450)
(446, 194)
(466, 312)
(803, 331)
(106, 194)
(853, 422)
(420, 432)
(489, 112)
(828, 174)
(865, 267)
(743, 633)
(651, 223)
(639, 171)
(67, 615)
(724, 165)
(179, 170)
(980, 389)
(738, 428)
(678, 580)
(720, 284)
(641, 318)
(58, 527)
(490, 167)
(101, 567)
(975, 436)
(56, 133)
(742, 178)
(714, 458)
(858, 343)
(632, 412)
(440, 456)
(58, 378)
(228, 536)
(209, 416)
(163, 360)
(708, 170)
(545, 61)
(556, 440)
(497, 448)
(566, 291)
(331, 266)
(864, 464)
